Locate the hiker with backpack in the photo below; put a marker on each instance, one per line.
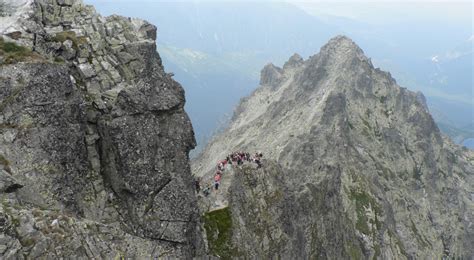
(237, 159)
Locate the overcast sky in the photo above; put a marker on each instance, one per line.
(385, 11)
(380, 11)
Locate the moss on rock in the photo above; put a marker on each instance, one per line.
(5, 163)
(218, 225)
(364, 201)
(70, 35)
(13, 53)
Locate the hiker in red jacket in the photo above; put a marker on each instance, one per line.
(217, 181)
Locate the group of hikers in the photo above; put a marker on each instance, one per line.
(234, 159)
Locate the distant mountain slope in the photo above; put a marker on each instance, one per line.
(219, 47)
(356, 167)
(216, 49)
(458, 134)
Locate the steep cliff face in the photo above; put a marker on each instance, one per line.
(92, 133)
(366, 172)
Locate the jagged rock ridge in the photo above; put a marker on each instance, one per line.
(94, 140)
(361, 170)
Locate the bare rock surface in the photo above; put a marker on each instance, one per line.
(94, 139)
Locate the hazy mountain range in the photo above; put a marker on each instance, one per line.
(216, 49)
(95, 139)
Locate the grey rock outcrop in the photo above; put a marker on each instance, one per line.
(265, 236)
(295, 61)
(357, 168)
(8, 184)
(96, 135)
(271, 75)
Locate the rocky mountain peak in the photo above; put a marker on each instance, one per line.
(341, 43)
(295, 61)
(341, 52)
(358, 165)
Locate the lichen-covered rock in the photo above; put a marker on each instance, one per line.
(49, 234)
(42, 123)
(366, 171)
(95, 130)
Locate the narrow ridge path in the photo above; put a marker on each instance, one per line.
(210, 198)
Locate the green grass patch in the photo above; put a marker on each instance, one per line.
(13, 53)
(218, 225)
(15, 222)
(355, 253)
(59, 60)
(27, 241)
(364, 201)
(5, 163)
(70, 35)
(12, 47)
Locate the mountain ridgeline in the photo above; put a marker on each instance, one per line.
(355, 168)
